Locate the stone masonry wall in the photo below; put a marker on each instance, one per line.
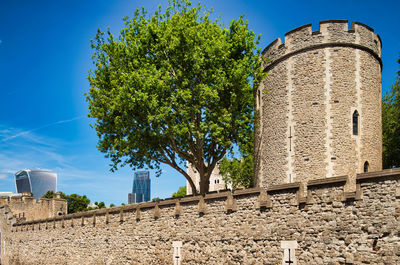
(316, 80)
(27, 208)
(271, 130)
(331, 227)
(371, 148)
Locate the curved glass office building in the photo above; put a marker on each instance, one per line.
(36, 181)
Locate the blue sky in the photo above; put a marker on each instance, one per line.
(45, 55)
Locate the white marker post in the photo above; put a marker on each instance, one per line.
(289, 252)
(177, 252)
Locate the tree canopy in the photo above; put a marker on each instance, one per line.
(76, 203)
(51, 194)
(238, 172)
(180, 193)
(156, 199)
(391, 125)
(97, 205)
(175, 86)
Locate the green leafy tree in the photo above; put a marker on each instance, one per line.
(180, 193)
(391, 125)
(175, 86)
(51, 194)
(156, 199)
(112, 205)
(98, 205)
(239, 172)
(76, 203)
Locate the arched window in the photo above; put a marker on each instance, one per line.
(355, 122)
(366, 166)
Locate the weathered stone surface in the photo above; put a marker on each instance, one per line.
(327, 232)
(25, 208)
(315, 82)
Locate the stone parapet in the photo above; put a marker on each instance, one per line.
(319, 107)
(330, 225)
(331, 33)
(26, 207)
(325, 183)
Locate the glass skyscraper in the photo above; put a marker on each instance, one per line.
(37, 181)
(141, 187)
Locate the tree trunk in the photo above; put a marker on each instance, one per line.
(204, 184)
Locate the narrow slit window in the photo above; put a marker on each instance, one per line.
(355, 122)
(366, 166)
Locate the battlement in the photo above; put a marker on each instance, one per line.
(241, 225)
(327, 190)
(25, 207)
(331, 33)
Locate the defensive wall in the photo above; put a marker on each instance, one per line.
(318, 83)
(26, 208)
(331, 226)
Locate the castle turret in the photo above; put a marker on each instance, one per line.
(320, 105)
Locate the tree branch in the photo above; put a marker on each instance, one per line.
(173, 164)
(172, 69)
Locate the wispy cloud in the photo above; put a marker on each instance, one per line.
(80, 167)
(38, 128)
(79, 172)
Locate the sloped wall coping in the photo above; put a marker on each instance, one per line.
(289, 188)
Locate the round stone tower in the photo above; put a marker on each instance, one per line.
(319, 108)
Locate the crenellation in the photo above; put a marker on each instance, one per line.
(276, 49)
(368, 28)
(44, 201)
(298, 38)
(312, 91)
(272, 46)
(29, 201)
(368, 38)
(15, 199)
(331, 33)
(309, 182)
(336, 31)
(326, 222)
(26, 208)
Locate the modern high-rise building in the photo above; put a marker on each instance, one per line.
(141, 187)
(36, 181)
